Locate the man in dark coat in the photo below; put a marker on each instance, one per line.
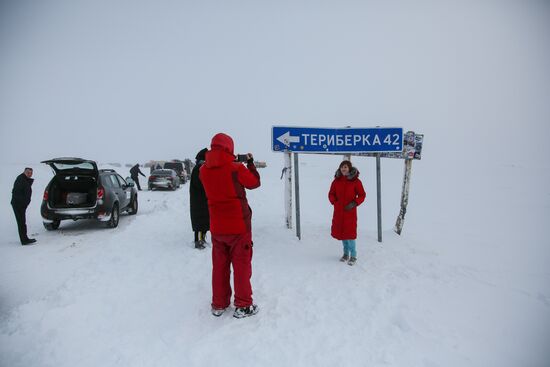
(200, 219)
(134, 171)
(20, 200)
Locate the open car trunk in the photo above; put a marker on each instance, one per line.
(70, 191)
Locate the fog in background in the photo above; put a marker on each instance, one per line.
(129, 81)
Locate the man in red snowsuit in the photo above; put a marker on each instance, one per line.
(224, 182)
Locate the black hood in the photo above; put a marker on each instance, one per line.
(201, 156)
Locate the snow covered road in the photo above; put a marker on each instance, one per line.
(139, 295)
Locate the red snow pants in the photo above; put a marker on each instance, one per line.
(235, 250)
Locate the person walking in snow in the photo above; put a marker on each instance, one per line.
(20, 200)
(200, 219)
(134, 171)
(225, 181)
(346, 194)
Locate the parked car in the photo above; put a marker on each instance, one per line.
(79, 190)
(179, 168)
(164, 178)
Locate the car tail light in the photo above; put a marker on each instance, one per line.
(45, 198)
(151, 178)
(100, 192)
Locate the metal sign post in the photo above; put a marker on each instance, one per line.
(297, 193)
(379, 197)
(287, 175)
(404, 197)
(412, 149)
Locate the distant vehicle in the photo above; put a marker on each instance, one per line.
(189, 164)
(179, 168)
(164, 178)
(79, 190)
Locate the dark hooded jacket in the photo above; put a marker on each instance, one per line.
(134, 171)
(22, 191)
(344, 190)
(200, 220)
(224, 182)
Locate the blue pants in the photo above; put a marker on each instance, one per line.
(349, 248)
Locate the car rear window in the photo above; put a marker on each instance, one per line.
(162, 172)
(83, 165)
(175, 166)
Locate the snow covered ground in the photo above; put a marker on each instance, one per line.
(468, 283)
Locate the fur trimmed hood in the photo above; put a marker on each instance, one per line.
(353, 174)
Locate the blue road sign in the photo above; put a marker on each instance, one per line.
(341, 140)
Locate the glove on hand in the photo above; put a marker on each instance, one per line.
(350, 206)
(250, 159)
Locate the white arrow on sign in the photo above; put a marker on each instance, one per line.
(286, 139)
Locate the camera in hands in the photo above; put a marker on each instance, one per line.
(242, 157)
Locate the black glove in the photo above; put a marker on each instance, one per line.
(250, 159)
(350, 206)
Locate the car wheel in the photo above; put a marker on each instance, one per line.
(52, 226)
(133, 206)
(113, 222)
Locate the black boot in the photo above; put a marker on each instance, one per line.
(28, 241)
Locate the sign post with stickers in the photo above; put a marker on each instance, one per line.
(376, 142)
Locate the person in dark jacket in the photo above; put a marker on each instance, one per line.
(346, 193)
(200, 219)
(134, 171)
(224, 182)
(20, 200)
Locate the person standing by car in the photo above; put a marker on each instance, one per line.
(134, 171)
(20, 200)
(200, 219)
(225, 182)
(345, 194)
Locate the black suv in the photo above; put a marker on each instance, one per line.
(79, 190)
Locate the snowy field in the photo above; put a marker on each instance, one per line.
(467, 284)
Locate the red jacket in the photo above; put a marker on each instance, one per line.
(344, 190)
(224, 182)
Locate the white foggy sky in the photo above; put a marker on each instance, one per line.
(137, 80)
